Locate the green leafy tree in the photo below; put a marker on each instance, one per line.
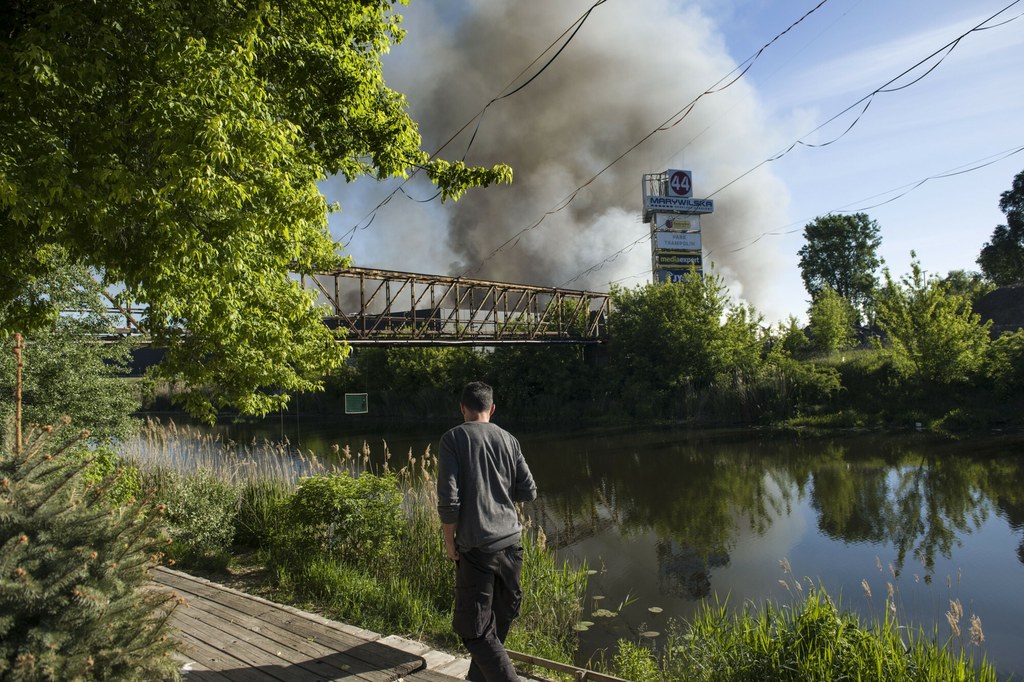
(1002, 257)
(791, 337)
(67, 370)
(933, 335)
(668, 335)
(831, 321)
(971, 285)
(175, 148)
(75, 602)
(841, 252)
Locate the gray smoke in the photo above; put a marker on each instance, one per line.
(630, 67)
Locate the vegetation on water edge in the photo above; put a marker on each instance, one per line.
(361, 543)
(355, 542)
(812, 638)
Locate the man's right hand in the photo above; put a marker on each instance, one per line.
(453, 553)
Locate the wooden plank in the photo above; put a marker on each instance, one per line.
(277, 639)
(222, 663)
(247, 655)
(185, 582)
(280, 624)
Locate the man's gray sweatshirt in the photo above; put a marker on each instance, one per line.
(481, 474)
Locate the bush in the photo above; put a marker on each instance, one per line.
(201, 510)
(353, 519)
(121, 480)
(74, 573)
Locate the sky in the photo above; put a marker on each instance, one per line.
(635, 65)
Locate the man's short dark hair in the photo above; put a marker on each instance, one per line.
(477, 396)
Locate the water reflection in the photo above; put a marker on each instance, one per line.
(670, 518)
(675, 518)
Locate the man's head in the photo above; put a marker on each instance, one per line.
(477, 400)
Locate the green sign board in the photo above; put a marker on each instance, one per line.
(356, 403)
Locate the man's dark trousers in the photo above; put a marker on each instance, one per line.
(487, 599)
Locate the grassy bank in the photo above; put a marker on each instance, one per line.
(361, 543)
(354, 542)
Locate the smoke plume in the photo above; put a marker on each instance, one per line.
(629, 69)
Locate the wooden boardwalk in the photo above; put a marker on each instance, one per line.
(227, 635)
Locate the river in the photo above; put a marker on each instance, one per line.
(669, 518)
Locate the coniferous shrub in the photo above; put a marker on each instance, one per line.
(73, 573)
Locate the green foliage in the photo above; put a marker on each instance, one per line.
(971, 285)
(67, 372)
(841, 252)
(355, 519)
(933, 335)
(635, 662)
(792, 338)
(831, 321)
(201, 509)
(812, 639)
(121, 480)
(1004, 363)
(1002, 257)
(666, 336)
(74, 597)
(176, 149)
(261, 507)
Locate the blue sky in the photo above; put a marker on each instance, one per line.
(634, 63)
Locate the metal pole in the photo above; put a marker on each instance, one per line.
(18, 364)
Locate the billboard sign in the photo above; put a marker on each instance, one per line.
(678, 204)
(676, 222)
(679, 183)
(677, 241)
(674, 276)
(685, 259)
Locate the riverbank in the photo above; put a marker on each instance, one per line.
(367, 598)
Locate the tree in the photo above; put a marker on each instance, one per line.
(841, 252)
(933, 335)
(668, 335)
(971, 285)
(1002, 257)
(831, 321)
(67, 371)
(175, 148)
(75, 596)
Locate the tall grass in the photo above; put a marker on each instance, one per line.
(410, 591)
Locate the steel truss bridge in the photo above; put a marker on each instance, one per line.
(383, 307)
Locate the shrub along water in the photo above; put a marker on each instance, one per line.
(811, 639)
(368, 549)
(361, 546)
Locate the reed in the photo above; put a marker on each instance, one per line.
(410, 592)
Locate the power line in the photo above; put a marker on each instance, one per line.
(866, 101)
(571, 31)
(672, 121)
(907, 188)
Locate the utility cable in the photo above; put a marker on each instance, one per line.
(782, 231)
(672, 121)
(866, 100)
(945, 51)
(571, 31)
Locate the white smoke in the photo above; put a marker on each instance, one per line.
(629, 69)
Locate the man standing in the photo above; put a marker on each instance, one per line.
(481, 475)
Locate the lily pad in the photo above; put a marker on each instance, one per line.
(650, 633)
(598, 597)
(582, 627)
(604, 613)
(655, 609)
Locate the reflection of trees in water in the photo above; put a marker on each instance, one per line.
(694, 494)
(1005, 477)
(685, 573)
(922, 504)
